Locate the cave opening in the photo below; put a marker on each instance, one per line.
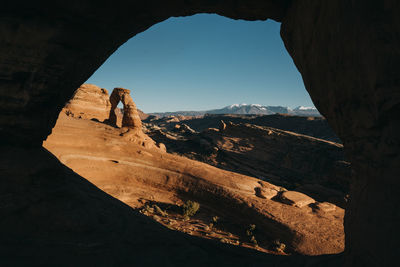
(346, 52)
(204, 62)
(293, 153)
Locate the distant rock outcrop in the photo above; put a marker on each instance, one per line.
(298, 162)
(247, 109)
(89, 102)
(142, 115)
(313, 126)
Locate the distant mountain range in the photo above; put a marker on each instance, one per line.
(244, 109)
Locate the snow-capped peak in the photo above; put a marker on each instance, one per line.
(304, 108)
(236, 105)
(245, 105)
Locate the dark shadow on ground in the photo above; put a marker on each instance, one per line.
(50, 216)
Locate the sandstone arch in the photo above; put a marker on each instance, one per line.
(347, 52)
(130, 117)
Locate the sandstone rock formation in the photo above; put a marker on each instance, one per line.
(130, 171)
(298, 162)
(184, 129)
(296, 198)
(90, 102)
(267, 193)
(142, 115)
(346, 51)
(222, 126)
(313, 126)
(130, 117)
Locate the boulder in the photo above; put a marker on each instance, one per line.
(296, 199)
(326, 206)
(266, 193)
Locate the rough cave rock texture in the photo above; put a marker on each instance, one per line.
(346, 51)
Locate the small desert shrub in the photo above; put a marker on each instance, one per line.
(250, 230)
(224, 240)
(250, 233)
(159, 211)
(215, 219)
(147, 209)
(253, 240)
(278, 246)
(189, 208)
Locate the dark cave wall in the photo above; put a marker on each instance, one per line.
(49, 48)
(346, 51)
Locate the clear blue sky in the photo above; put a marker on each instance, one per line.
(204, 62)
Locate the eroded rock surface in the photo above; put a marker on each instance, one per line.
(90, 102)
(131, 171)
(312, 126)
(295, 161)
(296, 199)
(130, 118)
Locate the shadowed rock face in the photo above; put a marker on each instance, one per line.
(349, 57)
(124, 169)
(295, 161)
(347, 52)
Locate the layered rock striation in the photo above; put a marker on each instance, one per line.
(89, 102)
(298, 162)
(92, 102)
(132, 173)
(130, 118)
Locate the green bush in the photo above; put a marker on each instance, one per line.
(215, 219)
(147, 209)
(250, 230)
(278, 246)
(253, 241)
(159, 211)
(250, 233)
(189, 208)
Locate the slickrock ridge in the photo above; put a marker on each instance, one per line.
(298, 162)
(131, 171)
(90, 102)
(312, 126)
